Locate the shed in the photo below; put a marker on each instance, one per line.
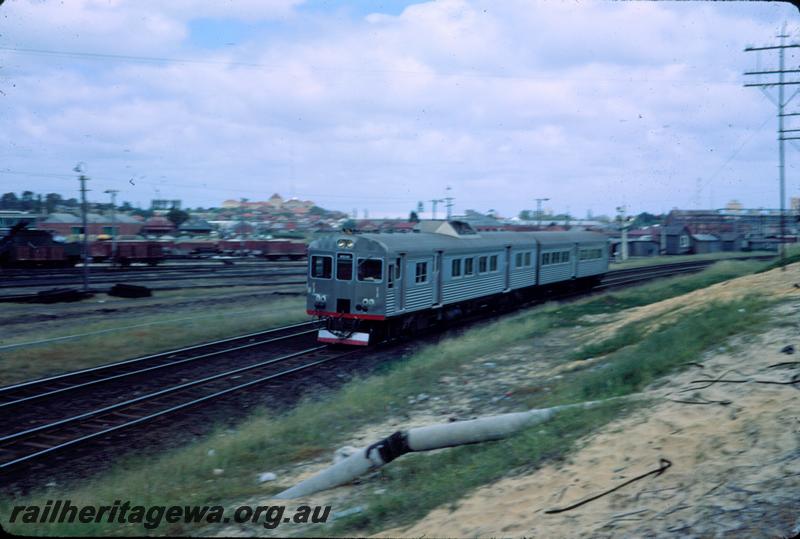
(731, 241)
(643, 247)
(676, 240)
(705, 243)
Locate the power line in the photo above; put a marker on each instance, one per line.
(752, 134)
(781, 103)
(276, 67)
(230, 190)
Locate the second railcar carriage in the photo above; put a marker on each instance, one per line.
(367, 287)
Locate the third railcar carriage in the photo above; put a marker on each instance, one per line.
(368, 287)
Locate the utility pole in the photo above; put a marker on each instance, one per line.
(85, 244)
(781, 104)
(539, 212)
(434, 203)
(624, 228)
(449, 204)
(113, 193)
(241, 227)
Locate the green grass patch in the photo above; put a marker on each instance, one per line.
(625, 336)
(130, 336)
(416, 483)
(669, 347)
(662, 289)
(792, 257)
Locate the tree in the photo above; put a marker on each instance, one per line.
(51, 200)
(413, 217)
(27, 201)
(316, 210)
(526, 215)
(178, 217)
(9, 201)
(349, 226)
(646, 219)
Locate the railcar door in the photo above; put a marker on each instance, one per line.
(400, 286)
(507, 269)
(437, 278)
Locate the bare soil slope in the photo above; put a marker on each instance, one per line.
(734, 448)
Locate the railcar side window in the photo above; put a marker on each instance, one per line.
(565, 256)
(390, 276)
(482, 264)
(344, 266)
(321, 267)
(591, 254)
(421, 273)
(493, 263)
(456, 269)
(527, 259)
(518, 260)
(370, 269)
(468, 266)
(545, 259)
(398, 265)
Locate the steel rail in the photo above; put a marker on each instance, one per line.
(151, 396)
(161, 355)
(170, 364)
(172, 409)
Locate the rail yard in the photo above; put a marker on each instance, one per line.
(416, 268)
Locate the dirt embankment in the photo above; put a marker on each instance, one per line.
(734, 448)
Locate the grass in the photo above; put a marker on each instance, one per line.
(417, 483)
(638, 262)
(792, 256)
(129, 337)
(665, 288)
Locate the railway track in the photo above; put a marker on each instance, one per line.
(164, 268)
(153, 276)
(55, 413)
(42, 427)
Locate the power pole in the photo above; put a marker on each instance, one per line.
(434, 203)
(449, 204)
(85, 244)
(241, 227)
(781, 104)
(113, 193)
(539, 212)
(624, 228)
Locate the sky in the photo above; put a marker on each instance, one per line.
(378, 105)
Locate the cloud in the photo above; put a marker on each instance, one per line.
(585, 103)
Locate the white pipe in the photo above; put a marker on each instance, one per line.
(423, 439)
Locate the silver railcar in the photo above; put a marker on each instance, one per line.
(367, 287)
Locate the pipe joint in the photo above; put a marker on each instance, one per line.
(391, 447)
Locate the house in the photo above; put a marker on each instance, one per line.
(158, 226)
(196, 227)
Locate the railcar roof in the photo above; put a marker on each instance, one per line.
(428, 242)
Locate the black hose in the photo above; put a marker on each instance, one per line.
(664, 464)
